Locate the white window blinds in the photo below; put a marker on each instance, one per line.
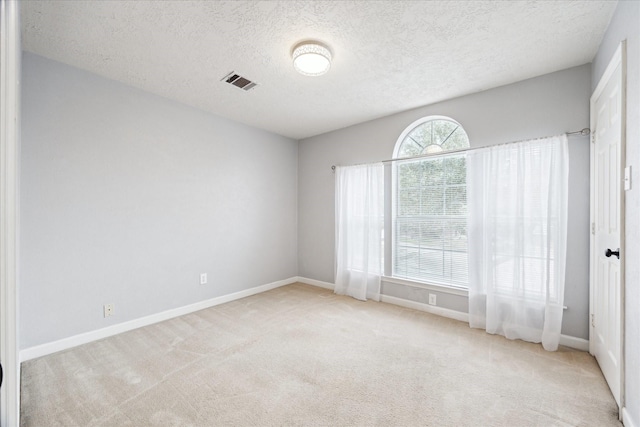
(430, 220)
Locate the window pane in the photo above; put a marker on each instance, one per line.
(408, 233)
(431, 207)
(456, 170)
(400, 261)
(413, 269)
(456, 200)
(432, 172)
(423, 134)
(443, 130)
(458, 267)
(431, 264)
(431, 233)
(410, 148)
(456, 141)
(409, 175)
(432, 202)
(409, 202)
(457, 234)
(433, 136)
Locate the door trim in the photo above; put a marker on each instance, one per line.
(10, 55)
(618, 59)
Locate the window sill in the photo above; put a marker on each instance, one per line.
(453, 290)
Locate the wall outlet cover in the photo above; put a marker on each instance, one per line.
(108, 310)
(432, 299)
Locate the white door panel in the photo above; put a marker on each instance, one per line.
(607, 210)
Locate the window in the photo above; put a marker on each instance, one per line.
(430, 204)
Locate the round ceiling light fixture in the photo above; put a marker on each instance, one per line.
(311, 58)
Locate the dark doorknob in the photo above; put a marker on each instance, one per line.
(609, 252)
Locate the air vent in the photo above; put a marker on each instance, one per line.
(239, 81)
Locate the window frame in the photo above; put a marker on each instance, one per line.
(437, 285)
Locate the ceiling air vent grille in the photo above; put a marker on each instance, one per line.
(237, 80)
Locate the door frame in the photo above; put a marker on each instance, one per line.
(618, 59)
(10, 56)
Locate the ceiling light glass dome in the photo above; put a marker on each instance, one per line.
(311, 58)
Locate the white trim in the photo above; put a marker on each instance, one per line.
(433, 287)
(615, 60)
(10, 55)
(87, 337)
(574, 342)
(626, 418)
(430, 286)
(76, 340)
(318, 283)
(439, 311)
(565, 340)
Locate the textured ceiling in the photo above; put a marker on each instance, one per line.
(389, 56)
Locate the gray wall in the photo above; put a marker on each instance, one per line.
(543, 106)
(127, 197)
(625, 24)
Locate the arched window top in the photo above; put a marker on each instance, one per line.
(431, 134)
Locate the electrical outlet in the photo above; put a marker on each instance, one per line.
(203, 278)
(108, 310)
(432, 299)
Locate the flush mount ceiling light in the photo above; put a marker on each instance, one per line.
(311, 58)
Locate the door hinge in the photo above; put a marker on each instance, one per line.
(593, 228)
(593, 320)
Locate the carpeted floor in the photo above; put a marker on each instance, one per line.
(300, 355)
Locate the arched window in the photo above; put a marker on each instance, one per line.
(430, 203)
(432, 134)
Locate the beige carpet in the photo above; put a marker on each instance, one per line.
(300, 355)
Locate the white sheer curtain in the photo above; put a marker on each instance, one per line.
(517, 199)
(359, 225)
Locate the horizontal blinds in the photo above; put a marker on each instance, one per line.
(430, 220)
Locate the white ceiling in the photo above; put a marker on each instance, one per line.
(389, 56)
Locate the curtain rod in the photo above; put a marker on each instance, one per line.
(583, 132)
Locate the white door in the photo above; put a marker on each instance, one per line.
(607, 222)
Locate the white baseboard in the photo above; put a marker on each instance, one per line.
(566, 340)
(87, 337)
(444, 312)
(573, 342)
(626, 418)
(314, 282)
(76, 340)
